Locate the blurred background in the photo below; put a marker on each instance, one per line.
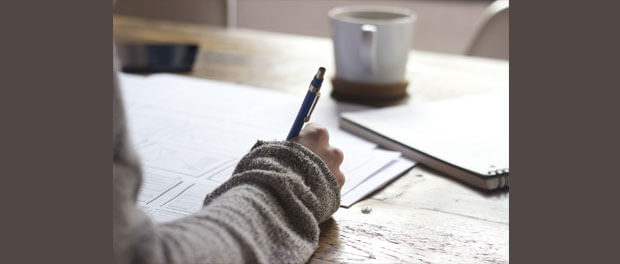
(468, 27)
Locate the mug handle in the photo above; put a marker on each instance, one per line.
(368, 49)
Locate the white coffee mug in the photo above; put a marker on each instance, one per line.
(371, 43)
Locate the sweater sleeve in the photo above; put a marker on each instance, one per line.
(268, 212)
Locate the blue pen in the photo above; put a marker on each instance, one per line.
(312, 97)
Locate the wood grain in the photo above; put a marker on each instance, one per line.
(421, 217)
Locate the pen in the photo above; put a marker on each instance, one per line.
(312, 97)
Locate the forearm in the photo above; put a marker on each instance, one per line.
(268, 212)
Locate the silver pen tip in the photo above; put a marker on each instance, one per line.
(320, 73)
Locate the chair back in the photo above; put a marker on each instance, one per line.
(491, 37)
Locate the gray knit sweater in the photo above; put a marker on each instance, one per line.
(268, 212)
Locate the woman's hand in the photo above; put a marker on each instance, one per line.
(316, 138)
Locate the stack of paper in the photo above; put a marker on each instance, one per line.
(190, 133)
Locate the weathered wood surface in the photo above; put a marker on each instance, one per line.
(423, 216)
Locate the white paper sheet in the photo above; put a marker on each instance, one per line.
(190, 134)
(156, 185)
(372, 162)
(190, 200)
(379, 179)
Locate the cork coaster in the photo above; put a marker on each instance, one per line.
(369, 94)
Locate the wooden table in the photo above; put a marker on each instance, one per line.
(423, 216)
